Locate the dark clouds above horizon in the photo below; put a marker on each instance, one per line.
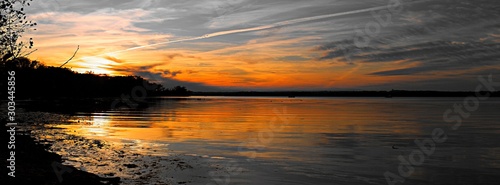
(431, 45)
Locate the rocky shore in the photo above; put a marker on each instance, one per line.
(49, 155)
(35, 165)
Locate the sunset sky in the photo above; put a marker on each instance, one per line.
(212, 45)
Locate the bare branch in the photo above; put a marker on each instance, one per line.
(71, 56)
(29, 53)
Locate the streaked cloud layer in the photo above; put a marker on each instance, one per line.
(276, 45)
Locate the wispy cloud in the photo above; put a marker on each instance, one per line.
(262, 44)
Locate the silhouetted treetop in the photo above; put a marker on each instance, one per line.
(36, 80)
(13, 23)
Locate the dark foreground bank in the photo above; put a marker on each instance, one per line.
(35, 165)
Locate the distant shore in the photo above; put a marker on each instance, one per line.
(387, 94)
(103, 102)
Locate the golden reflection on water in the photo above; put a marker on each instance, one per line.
(265, 122)
(342, 135)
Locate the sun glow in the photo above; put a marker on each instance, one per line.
(96, 65)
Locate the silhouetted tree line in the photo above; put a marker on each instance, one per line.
(36, 80)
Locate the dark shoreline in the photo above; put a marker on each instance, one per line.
(105, 102)
(35, 165)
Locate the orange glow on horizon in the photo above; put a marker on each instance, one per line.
(218, 70)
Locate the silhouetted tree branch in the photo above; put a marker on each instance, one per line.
(13, 24)
(71, 56)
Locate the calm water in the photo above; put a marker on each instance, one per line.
(248, 140)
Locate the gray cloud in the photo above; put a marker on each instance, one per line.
(83, 7)
(441, 35)
(459, 82)
(171, 73)
(171, 82)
